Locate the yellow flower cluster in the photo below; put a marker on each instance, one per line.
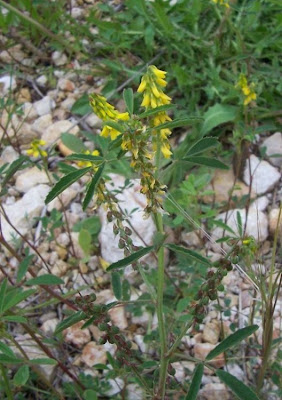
(35, 150)
(88, 163)
(107, 112)
(222, 2)
(247, 90)
(151, 85)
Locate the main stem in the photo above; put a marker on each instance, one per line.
(160, 313)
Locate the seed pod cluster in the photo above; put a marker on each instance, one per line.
(208, 290)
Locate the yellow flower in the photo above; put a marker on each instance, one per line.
(157, 72)
(222, 2)
(247, 90)
(109, 131)
(166, 150)
(152, 84)
(107, 112)
(35, 150)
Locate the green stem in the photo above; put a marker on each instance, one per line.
(161, 322)
(6, 383)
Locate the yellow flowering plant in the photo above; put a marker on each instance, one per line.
(36, 150)
(248, 90)
(140, 137)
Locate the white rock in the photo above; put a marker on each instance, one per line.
(214, 391)
(118, 317)
(41, 80)
(222, 183)
(50, 325)
(129, 199)
(42, 123)
(53, 132)
(9, 155)
(93, 354)
(68, 103)
(257, 225)
(201, 350)
(59, 58)
(260, 203)
(273, 146)
(21, 213)
(33, 351)
(7, 83)
(264, 175)
(274, 221)
(117, 385)
(77, 336)
(66, 85)
(139, 340)
(30, 178)
(211, 332)
(44, 106)
(134, 392)
(236, 371)
(29, 112)
(93, 121)
(76, 12)
(191, 238)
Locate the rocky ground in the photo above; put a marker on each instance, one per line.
(45, 113)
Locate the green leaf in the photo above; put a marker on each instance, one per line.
(43, 361)
(65, 182)
(10, 360)
(91, 188)
(73, 142)
(209, 162)
(81, 106)
(156, 110)
(13, 168)
(23, 267)
(217, 115)
(162, 18)
(12, 299)
(129, 100)
(21, 376)
(84, 240)
(130, 259)
(221, 224)
(90, 394)
(196, 383)
(239, 223)
(69, 321)
(202, 145)
(182, 305)
(116, 284)
(3, 288)
(190, 253)
(126, 289)
(84, 157)
(231, 341)
(47, 279)
(177, 123)
(92, 224)
(6, 350)
(242, 391)
(65, 168)
(14, 318)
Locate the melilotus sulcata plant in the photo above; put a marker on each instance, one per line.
(142, 139)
